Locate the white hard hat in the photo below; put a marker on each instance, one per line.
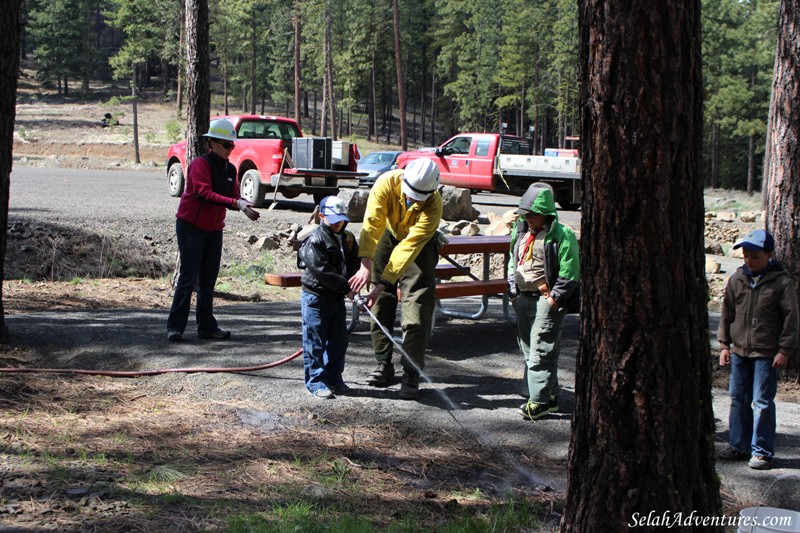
(420, 179)
(221, 129)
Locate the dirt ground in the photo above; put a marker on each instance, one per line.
(96, 454)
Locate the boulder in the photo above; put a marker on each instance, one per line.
(726, 216)
(714, 248)
(356, 202)
(510, 217)
(712, 266)
(498, 227)
(465, 227)
(305, 232)
(748, 217)
(267, 243)
(457, 204)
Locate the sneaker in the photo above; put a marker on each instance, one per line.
(217, 335)
(382, 375)
(323, 394)
(553, 404)
(732, 454)
(342, 389)
(534, 411)
(174, 336)
(758, 462)
(409, 390)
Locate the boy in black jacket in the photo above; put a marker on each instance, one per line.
(329, 257)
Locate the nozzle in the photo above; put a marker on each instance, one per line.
(360, 301)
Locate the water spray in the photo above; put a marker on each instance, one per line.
(450, 406)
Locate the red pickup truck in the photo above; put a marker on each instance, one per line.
(501, 163)
(271, 153)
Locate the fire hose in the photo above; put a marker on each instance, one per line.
(134, 374)
(140, 373)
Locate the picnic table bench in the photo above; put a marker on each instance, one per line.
(484, 286)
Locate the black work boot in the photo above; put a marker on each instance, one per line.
(382, 375)
(409, 390)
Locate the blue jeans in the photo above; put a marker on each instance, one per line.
(539, 337)
(200, 253)
(753, 385)
(324, 341)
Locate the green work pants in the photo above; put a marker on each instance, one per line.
(418, 290)
(539, 336)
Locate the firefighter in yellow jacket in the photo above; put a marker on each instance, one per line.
(399, 249)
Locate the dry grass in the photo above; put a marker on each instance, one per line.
(83, 452)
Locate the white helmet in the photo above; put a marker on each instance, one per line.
(221, 129)
(420, 179)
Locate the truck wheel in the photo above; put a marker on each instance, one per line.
(569, 206)
(175, 179)
(251, 189)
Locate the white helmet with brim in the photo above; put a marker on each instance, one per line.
(221, 129)
(420, 179)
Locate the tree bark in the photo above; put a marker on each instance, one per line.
(372, 127)
(643, 427)
(329, 67)
(198, 91)
(751, 164)
(715, 139)
(398, 61)
(782, 157)
(10, 29)
(253, 76)
(179, 99)
(297, 35)
(433, 107)
(323, 121)
(225, 86)
(136, 157)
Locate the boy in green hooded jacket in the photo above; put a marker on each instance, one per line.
(543, 276)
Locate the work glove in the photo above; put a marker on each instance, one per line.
(247, 208)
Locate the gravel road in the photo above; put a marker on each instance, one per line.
(473, 391)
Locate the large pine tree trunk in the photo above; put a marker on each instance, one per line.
(433, 107)
(329, 67)
(253, 69)
(296, 21)
(198, 92)
(179, 99)
(782, 158)
(715, 157)
(398, 61)
(643, 427)
(10, 27)
(372, 128)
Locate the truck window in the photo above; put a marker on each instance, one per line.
(482, 148)
(514, 146)
(459, 145)
(267, 130)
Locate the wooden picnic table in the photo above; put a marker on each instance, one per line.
(485, 286)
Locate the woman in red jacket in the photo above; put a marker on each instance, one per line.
(211, 189)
